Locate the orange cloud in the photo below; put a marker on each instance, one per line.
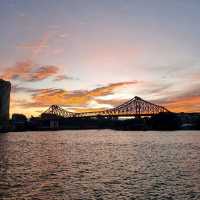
(28, 71)
(79, 98)
(20, 69)
(96, 99)
(185, 104)
(196, 76)
(43, 72)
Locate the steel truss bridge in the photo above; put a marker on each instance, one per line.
(135, 107)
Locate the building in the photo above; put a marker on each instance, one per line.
(5, 88)
(19, 122)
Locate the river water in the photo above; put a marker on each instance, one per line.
(100, 164)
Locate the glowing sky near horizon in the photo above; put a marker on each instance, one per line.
(95, 54)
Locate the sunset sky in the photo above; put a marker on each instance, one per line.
(96, 54)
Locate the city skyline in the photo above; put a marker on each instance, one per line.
(90, 55)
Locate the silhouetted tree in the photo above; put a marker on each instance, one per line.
(164, 121)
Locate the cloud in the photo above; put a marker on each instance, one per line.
(36, 47)
(20, 69)
(42, 72)
(64, 77)
(29, 71)
(75, 98)
(17, 89)
(184, 101)
(113, 102)
(44, 44)
(109, 89)
(105, 97)
(185, 104)
(196, 76)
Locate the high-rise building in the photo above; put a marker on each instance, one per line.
(5, 88)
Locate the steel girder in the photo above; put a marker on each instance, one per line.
(134, 107)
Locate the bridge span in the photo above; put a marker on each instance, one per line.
(135, 107)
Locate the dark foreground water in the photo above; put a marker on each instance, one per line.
(100, 165)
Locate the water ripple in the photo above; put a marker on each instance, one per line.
(100, 165)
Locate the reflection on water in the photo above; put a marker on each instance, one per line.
(100, 165)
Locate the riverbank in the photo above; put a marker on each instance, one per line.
(158, 122)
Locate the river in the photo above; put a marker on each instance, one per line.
(100, 164)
